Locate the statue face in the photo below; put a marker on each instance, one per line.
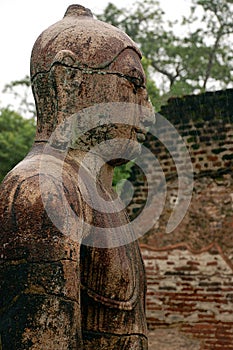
(122, 82)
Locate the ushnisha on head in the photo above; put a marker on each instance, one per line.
(80, 62)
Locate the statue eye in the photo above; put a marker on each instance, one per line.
(136, 77)
(136, 81)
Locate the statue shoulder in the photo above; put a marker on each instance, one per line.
(28, 189)
(28, 202)
(19, 187)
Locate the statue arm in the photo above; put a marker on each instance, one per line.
(39, 273)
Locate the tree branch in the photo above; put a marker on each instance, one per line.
(212, 56)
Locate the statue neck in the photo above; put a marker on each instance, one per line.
(95, 165)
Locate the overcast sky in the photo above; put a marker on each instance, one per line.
(21, 22)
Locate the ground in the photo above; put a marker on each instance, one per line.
(171, 339)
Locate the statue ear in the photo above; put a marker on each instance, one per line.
(64, 57)
(62, 68)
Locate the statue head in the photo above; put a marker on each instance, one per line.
(80, 62)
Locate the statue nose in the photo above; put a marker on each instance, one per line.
(147, 118)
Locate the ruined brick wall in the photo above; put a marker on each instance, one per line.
(205, 124)
(192, 292)
(190, 271)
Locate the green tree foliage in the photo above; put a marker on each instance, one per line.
(16, 138)
(198, 59)
(22, 96)
(212, 42)
(121, 173)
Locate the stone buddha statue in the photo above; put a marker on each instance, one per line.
(60, 287)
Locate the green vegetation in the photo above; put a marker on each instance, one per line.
(16, 138)
(197, 60)
(121, 173)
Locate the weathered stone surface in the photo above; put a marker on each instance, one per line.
(56, 293)
(93, 43)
